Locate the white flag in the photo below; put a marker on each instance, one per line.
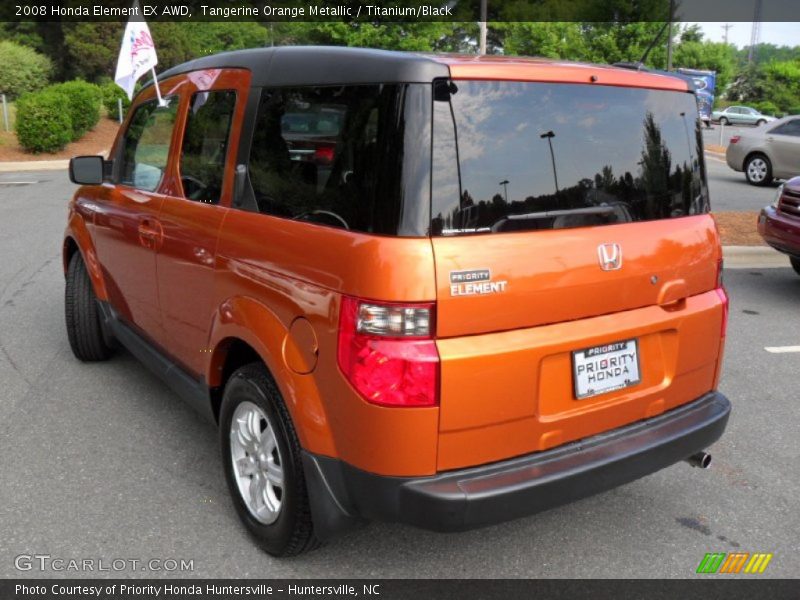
(137, 55)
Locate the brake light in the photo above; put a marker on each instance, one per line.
(723, 297)
(324, 154)
(387, 352)
(734, 139)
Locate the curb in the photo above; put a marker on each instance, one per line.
(33, 165)
(40, 165)
(753, 257)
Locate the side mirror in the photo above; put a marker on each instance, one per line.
(86, 170)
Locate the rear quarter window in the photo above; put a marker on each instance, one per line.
(355, 157)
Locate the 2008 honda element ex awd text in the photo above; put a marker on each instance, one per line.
(437, 290)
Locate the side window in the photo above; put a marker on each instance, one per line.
(789, 128)
(205, 145)
(333, 156)
(146, 144)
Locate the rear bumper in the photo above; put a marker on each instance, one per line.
(478, 496)
(780, 231)
(734, 157)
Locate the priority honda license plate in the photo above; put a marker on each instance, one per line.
(605, 368)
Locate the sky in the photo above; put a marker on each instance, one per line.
(780, 34)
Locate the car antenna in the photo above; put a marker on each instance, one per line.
(639, 64)
(653, 43)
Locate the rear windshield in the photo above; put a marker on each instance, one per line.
(510, 156)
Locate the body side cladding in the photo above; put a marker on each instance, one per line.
(194, 392)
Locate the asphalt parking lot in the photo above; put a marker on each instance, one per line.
(103, 461)
(721, 136)
(729, 190)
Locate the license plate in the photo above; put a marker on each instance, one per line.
(605, 368)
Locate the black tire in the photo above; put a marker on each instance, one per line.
(723, 121)
(84, 329)
(760, 122)
(292, 533)
(795, 264)
(766, 178)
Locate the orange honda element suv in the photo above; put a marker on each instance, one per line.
(436, 290)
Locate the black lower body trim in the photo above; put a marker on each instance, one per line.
(474, 497)
(195, 393)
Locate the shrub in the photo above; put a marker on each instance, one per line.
(22, 69)
(82, 102)
(111, 93)
(793, 110)
(766, 107)
(42, 123)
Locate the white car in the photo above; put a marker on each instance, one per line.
(740, 115)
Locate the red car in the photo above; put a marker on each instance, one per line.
(779, 223)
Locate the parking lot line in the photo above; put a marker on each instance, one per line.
(782, 349)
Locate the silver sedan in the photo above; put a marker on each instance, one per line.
(767, 153)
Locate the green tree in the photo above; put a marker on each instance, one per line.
(591, 42)
(92, 49)
(692, 33)
(547, 39)
(776, 82)
(419, 36)
(22, 69)
(214, 37)
(712, 56)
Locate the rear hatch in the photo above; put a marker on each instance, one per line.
(575, 262)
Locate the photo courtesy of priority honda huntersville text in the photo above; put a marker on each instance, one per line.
(438, 290)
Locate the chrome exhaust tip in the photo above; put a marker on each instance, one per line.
(701, 460)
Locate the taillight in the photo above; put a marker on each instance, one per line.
(723, 297)
(324, 154)
(735, 139)
(387, 352)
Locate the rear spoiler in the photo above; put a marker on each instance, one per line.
(637, 66)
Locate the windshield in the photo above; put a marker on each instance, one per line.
(511, 156)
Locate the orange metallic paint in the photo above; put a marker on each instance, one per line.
(297, 269)
(78, 231)
(554, 275)
(544, 70)
(186, 256)
(510, 393)
(503, 393)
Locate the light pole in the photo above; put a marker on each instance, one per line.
(504, 183)
(550, 135)
(482, 29)
(669, 34)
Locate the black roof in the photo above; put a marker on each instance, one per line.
(320, 65)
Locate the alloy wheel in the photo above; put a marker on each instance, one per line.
(257, 462)
(757, 170)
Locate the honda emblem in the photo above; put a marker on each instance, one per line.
(610, 256)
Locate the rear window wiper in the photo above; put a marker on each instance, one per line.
(549, 214)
